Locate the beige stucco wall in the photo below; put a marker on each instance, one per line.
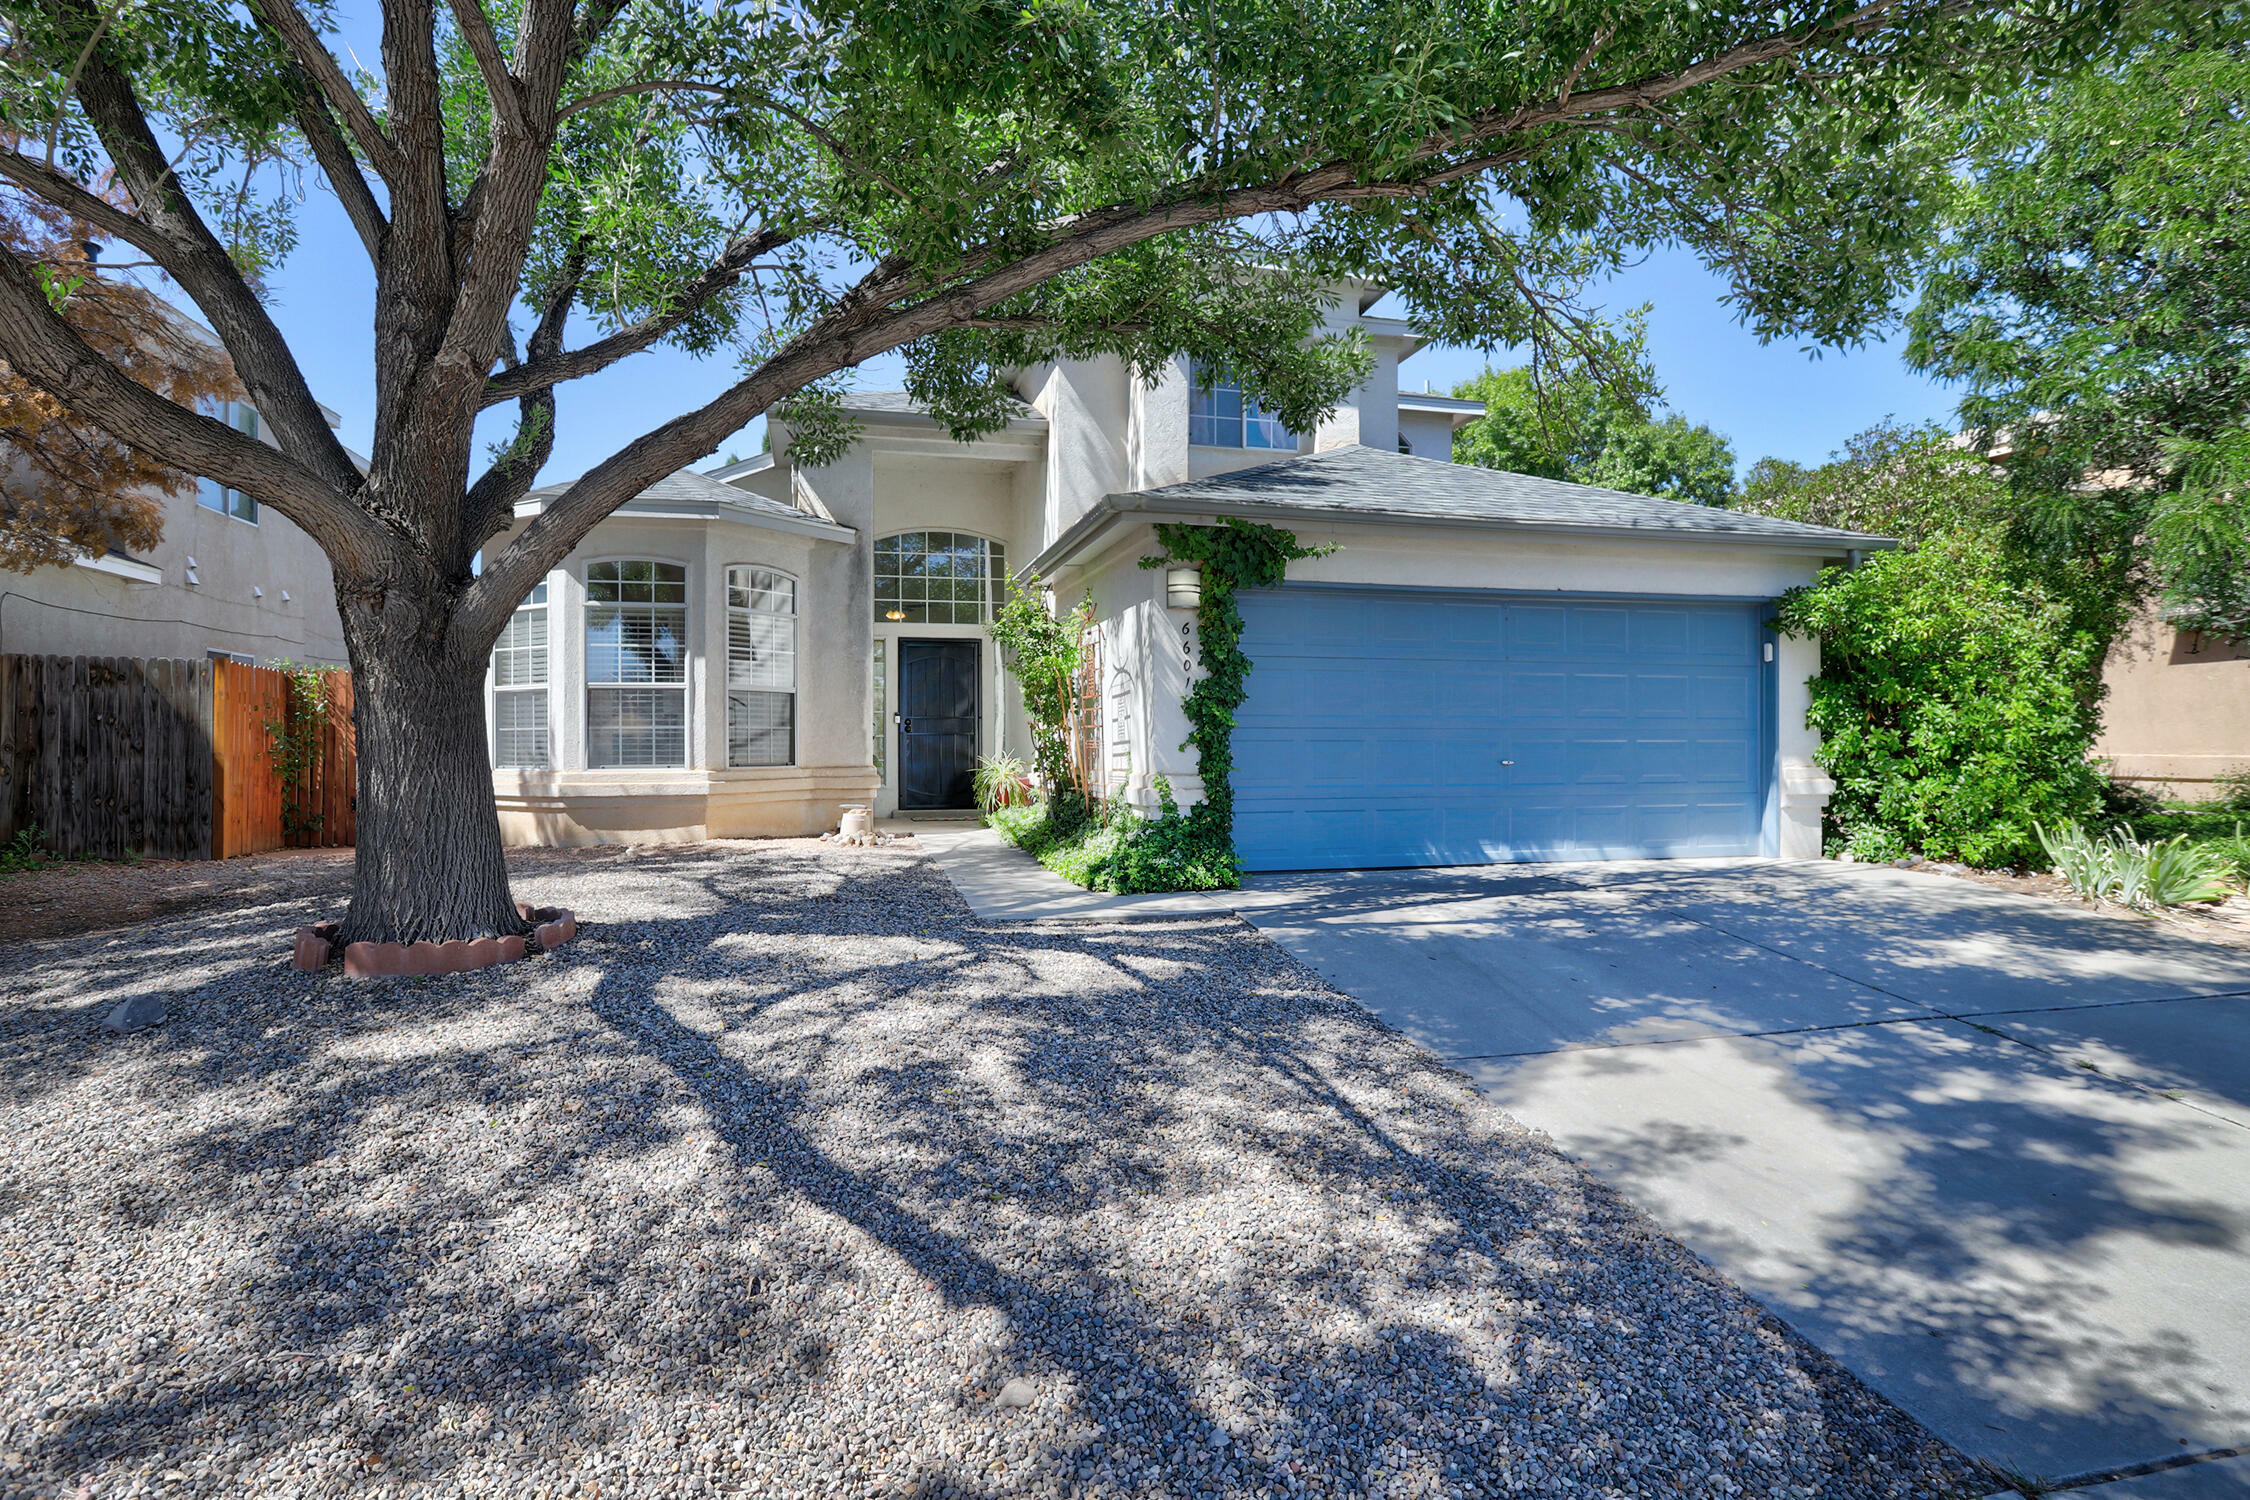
(1142, 635)
(571, 803)
(77, 611)
(2178, 711)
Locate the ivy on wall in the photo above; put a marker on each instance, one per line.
(1233, 555)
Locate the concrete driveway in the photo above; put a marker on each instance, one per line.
(1991, 1152)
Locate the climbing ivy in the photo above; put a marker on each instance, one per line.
(1233, 555)
(295, 744)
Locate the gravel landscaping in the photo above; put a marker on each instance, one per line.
(788, 1178)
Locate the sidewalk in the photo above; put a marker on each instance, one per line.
(1001, 883)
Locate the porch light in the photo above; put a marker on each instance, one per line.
(1183, 588)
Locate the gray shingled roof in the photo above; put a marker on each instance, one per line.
(686, 487)
(1361, 481)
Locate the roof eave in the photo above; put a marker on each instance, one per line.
(1112, 508)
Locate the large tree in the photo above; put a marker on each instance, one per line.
(2092, 292)
(982, 185)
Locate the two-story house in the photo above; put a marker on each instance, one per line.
(1486, 666)
(229, 579)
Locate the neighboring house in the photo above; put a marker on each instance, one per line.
(229, 579)
(2178, 713)
(1489, 667)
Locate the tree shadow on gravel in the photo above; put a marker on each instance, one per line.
(778, 1183)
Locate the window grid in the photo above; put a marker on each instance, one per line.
(209, 493)
(1220, 417)
(761, 667)
(636, 664)
(938, 578)
(519, 687)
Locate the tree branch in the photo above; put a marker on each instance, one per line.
(544, 369)
(476, 30)
(320, 65)
(195, 258)
(866, 322)
(45, 350)
(336, 159)
(627, 90)
(44, 182)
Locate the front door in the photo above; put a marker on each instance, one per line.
(937, 723)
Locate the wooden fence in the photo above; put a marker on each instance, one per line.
(172, 759)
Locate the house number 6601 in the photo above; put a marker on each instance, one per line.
(1187, 645)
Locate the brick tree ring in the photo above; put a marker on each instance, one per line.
(553, 926)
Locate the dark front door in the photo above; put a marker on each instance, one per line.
(937, 723)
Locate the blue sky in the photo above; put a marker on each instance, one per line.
(1770, 399)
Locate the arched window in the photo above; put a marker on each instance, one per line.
(938, 578)
(636, 664)
(761, 667)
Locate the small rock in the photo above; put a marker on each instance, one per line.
(136, 1014)
(1017, 1392)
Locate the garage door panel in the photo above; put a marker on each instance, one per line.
(1396, 728)
(1601, 695)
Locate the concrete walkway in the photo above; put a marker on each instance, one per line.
(1001, 883)
(1991, 1152)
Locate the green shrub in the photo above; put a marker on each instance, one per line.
(1953, 703)
(1113, 848)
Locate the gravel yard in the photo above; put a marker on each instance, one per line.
(787, 1178)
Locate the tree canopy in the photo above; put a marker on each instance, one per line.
(2092, 291)
(1587, 416)
(546, 187)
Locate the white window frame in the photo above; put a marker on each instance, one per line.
(595, 758)
(521, 687)
(991, 589)
(1220, 416)
(742, 660)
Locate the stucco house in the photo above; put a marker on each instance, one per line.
(229, 579)
(2177, 717)
(1488, 667)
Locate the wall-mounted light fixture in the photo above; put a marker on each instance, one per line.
(256, 592)
(191, 572)
(285, 596)
(1183, 588)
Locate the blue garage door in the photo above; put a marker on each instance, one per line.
(1389, 728)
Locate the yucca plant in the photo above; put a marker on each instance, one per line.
(1003, 781)
(2126, 871)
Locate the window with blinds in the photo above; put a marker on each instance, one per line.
(519, 686)
(636, 664)
(761, 667)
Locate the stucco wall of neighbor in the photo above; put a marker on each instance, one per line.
(1139, 627)
(2178, 712)
(76, 611)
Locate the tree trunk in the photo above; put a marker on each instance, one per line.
(429, 862)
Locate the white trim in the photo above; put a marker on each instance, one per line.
(129, 568)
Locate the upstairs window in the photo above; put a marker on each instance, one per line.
(761, 667)
(636, 664)
(519, 686)
(209, 493)
(1219, 416)
(938, 578)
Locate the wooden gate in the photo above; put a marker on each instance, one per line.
(172, 759)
